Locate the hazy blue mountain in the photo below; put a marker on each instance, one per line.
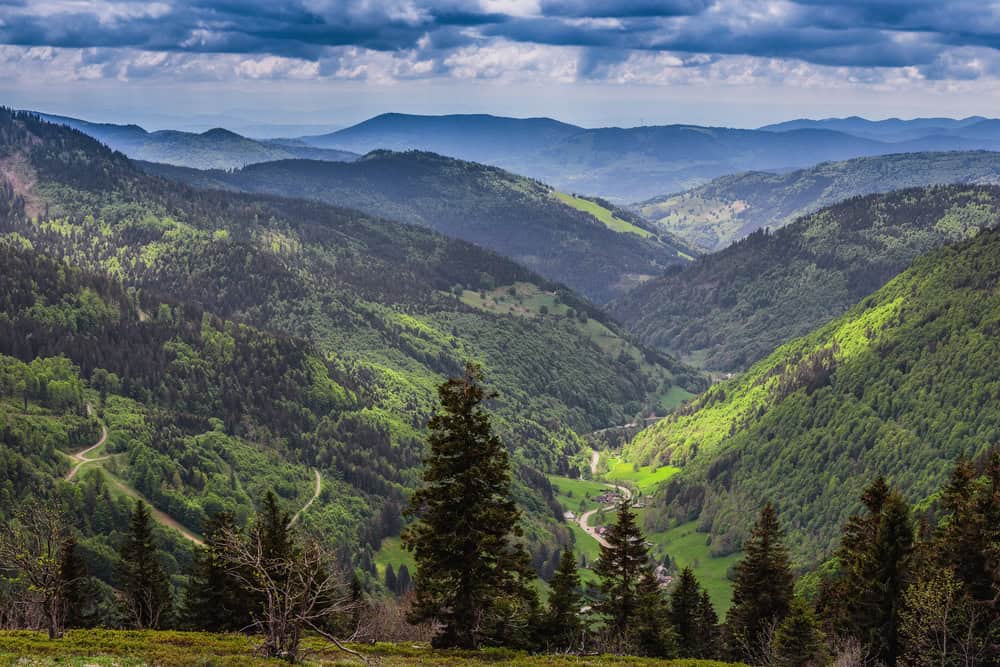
(592, 246)
(890, 129)
(632, 164)
(217, 148)
(478, 137)
(712, 216)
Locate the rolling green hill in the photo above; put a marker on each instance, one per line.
(901, 385)
(586, 244)
(712, 216)
(256, 336)
(731, 308)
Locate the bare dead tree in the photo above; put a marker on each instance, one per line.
(301, 591)
(30, 547)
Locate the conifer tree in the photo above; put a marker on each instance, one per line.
(78, 597)
(685, 602)
(865, 598)
(146, 591)
(273, 523)
(562, 620)
(798, 641)
(471, 567)
(651, 629)
(892, 554)
(762, 593)
(621, 566)
(391, 584)
(215, 600)
(708, 629)
(403, 580)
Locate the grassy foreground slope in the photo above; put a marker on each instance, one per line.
(901, 385)
(180, 649)
(577, 242)
(712, 216)
(731, 308)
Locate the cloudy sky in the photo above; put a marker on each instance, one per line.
(595, 62)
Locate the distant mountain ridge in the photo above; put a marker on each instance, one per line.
(591, 246)
(633, 164)
(217, 148)
(714, 215)
(890, 129)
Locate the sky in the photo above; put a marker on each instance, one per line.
(261, 65)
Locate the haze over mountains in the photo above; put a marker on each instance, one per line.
(623, 164)
(217, 148)
(632, 164)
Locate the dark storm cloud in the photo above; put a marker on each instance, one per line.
(862, 33)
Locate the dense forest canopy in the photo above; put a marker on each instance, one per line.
(901, 386)
(712, 216)
(731, 308)
(517, 217)
(237, 341)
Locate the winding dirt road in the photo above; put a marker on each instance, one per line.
(585, 517)
(81, 456)
(319, 485)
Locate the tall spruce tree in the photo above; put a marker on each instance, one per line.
(391, 584)
(798, 641)
(215, 600)
(621, 566)
(273, 522)
(147, 596)
(708, 629)
(865, 596)
(78, 595)
(762, 592)
(892, 554)
(651, 631)
(685, 603)
(471, 567)
(563, 629)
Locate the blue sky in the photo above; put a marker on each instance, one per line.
(595, 62)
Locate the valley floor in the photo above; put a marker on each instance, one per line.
(132, 648)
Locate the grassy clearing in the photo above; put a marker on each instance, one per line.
(609, 219)
(674, 397)
(127, 648)
(644, 478)
(689, 548)
(391, 552)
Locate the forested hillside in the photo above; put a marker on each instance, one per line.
(731, 308)
(294, 335)
(902, 385)
(601, 252)
(712, 216)
(217, 148)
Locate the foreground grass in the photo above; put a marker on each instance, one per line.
(131, 648)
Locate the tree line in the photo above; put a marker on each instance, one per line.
(905, 587)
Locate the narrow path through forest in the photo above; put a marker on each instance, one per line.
(81, 456)
(160, 517)
(319, 485)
